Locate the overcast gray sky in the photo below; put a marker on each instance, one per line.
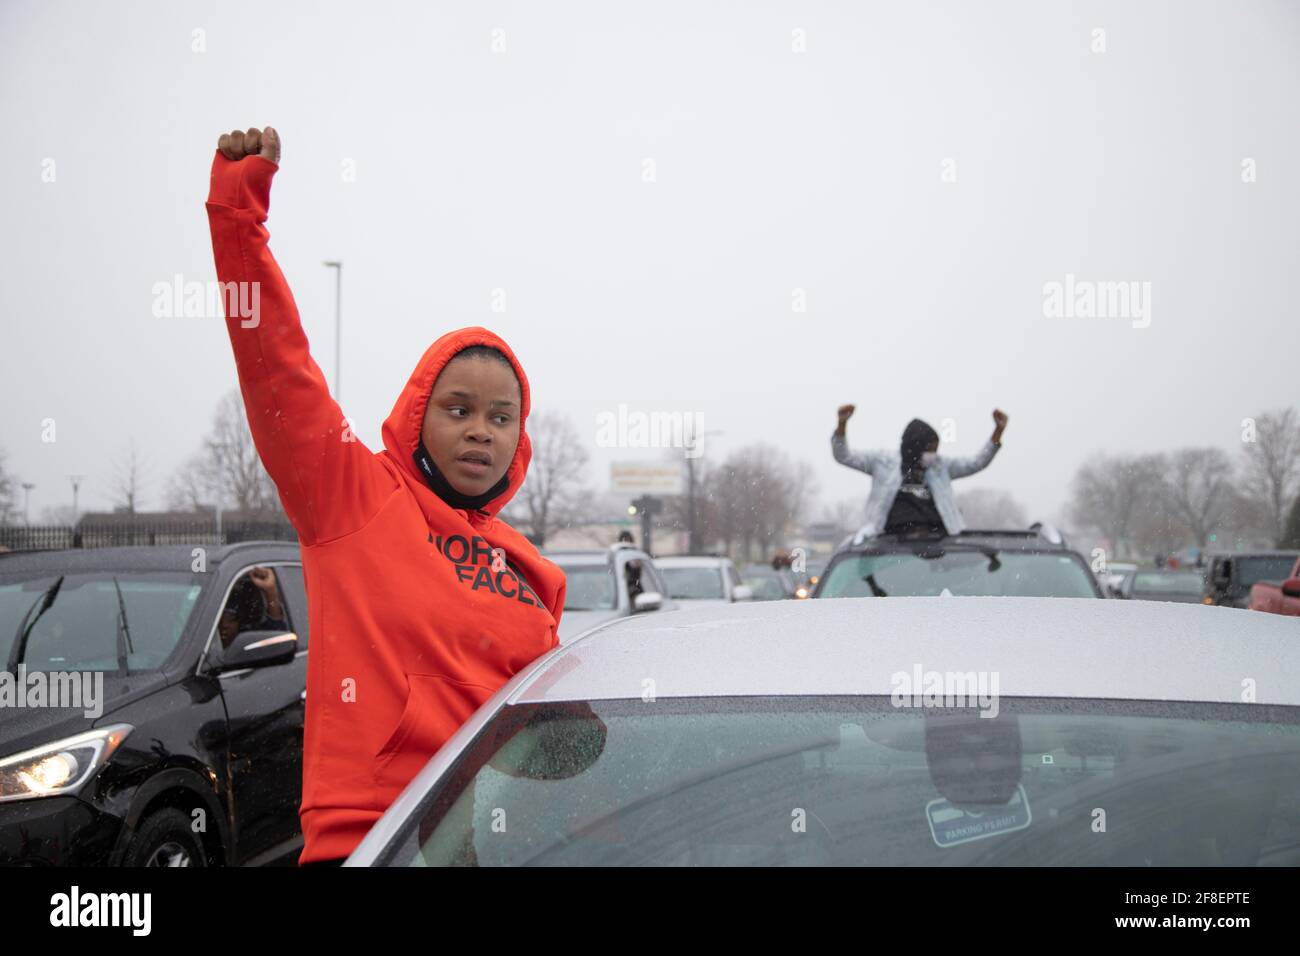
(523, 169)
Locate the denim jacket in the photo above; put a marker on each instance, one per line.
(885, 469)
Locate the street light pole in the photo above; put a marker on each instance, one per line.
(337, 266)
(27, 492)
(76, 485)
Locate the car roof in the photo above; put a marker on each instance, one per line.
(170, 557)
(1002, 540)
(691, 561)
(1039, 647)
(1275, 553)
(590, 556)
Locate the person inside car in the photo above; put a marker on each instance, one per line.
(254, 605)
(911, 491)
(422, 602)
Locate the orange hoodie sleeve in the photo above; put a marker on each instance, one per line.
(329, 483)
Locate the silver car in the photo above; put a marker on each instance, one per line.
(602, 584)
(931, 731)
(701, 579)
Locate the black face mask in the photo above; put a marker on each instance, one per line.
(443, 489)
(917, 438)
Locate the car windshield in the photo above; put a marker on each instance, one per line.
(1253, 570)
(857, 781)
(959, 571)
(78, 631)
(693, 583)
(766, 587)
(1176, 582)
(589, 587)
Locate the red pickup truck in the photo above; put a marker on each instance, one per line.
(1278, 597)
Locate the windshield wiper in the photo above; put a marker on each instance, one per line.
(876, 589)
(124, 646)
(25, 629)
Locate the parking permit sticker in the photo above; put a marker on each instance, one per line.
(950, 826)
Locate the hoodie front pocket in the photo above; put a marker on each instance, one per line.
(436, 707)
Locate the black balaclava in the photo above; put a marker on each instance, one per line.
(917, 437)
(443, 488)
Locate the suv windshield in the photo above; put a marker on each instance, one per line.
(1165, 582)
(851, 781)
(959, 570)
(78, 630)
(589, 587)
(693, 583)
(1253, 570)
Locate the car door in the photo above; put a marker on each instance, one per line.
(652, 581)
(265, 707)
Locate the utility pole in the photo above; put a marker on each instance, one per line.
(27, 492)
(646, 506)
(337, 266)
(690, 489)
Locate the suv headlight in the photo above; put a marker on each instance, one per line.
(61, 767)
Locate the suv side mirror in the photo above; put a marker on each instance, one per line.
(647, 601)
(257, 649)
(1291, 587)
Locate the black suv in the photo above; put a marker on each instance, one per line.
(152, 709)
(1032, 563)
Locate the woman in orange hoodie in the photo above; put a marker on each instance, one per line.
(421, 602)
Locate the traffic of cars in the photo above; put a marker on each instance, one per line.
(201, 716)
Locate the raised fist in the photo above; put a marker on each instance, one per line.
(251, 142)
(845, 412)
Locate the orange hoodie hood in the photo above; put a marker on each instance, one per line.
(402, 428)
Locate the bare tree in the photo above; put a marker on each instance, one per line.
(990, 508)
(842, 518)
(1197, 483)
(128, 481)
(753, 500)
(227, 470)
(1272, 472)
(1291, 535)
(1109, 491)
(553, 493)
(8, 504)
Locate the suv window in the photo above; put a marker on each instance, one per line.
(256, 603)
(295, 590)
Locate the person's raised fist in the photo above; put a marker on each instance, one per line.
(239, 143)
(845, 412)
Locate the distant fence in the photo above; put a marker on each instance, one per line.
(143, 532)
